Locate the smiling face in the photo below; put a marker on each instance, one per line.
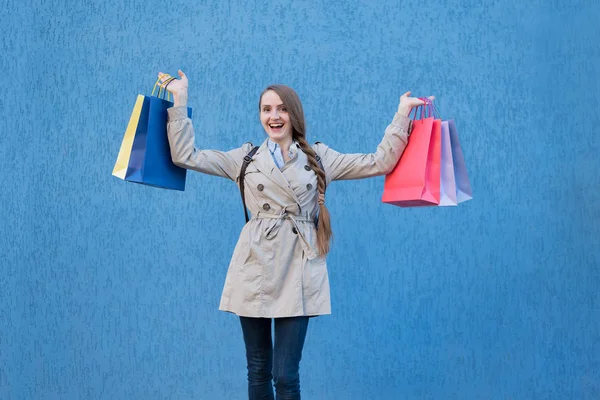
(275, 118)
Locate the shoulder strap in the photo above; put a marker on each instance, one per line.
(247, 159)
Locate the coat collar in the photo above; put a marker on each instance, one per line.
(263, 161)
(276, 153)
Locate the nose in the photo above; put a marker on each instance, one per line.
(275, 114)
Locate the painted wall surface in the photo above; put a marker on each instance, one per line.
(109, 290)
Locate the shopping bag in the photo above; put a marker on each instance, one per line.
(463, 186)
(415, 181)
(447, 180)
(145, 155)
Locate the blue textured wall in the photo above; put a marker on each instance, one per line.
(109, 290)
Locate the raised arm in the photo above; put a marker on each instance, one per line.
(340, 166)
(185, 154)
(180, 130)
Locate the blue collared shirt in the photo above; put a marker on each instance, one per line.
(275, 150)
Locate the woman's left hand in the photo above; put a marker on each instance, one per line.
(407, 103)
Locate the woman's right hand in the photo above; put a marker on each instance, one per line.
(178, 87)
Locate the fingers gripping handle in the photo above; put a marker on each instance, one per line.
(426, 110)
(162, 87)
(431, 111)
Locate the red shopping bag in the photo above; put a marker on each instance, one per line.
(415, 181)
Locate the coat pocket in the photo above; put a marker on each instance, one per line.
(314, 277)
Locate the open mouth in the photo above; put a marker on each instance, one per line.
(276, 127)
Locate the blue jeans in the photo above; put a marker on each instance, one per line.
(279, 363)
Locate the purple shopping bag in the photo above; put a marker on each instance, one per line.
(447, 181)
(463, 186)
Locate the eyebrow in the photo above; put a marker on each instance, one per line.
(268, 105)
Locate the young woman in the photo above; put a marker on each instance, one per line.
(278, 269)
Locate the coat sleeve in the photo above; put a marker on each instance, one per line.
(185, 154)
(340, 166)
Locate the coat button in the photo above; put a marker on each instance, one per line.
(266, 207)
(306, 167)
(260, 187)
(295, 230)
(309, 186)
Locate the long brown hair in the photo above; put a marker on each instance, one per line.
(292, 102)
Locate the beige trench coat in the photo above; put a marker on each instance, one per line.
(275, 270)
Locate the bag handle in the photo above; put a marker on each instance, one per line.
(429, 108)
(161, 90)
(421, 108)
(416, 110)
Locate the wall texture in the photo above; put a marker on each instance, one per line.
(109, 290)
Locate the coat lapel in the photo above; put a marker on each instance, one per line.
(263, 161)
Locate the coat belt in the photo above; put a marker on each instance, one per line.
(274, 227)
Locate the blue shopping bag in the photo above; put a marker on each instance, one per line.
(145, 155)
